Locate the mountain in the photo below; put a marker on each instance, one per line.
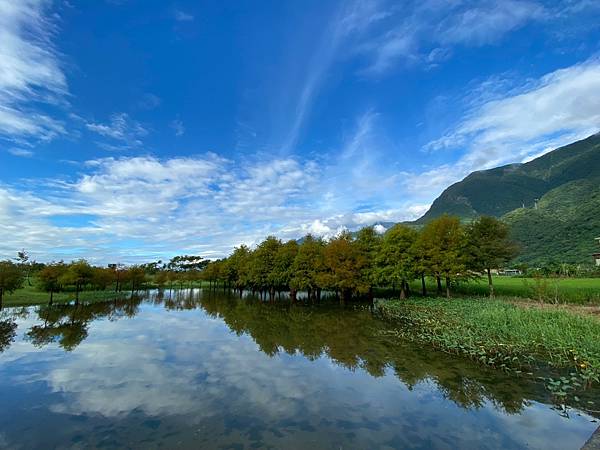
(565, 184)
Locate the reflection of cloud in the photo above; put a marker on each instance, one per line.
(190, 372)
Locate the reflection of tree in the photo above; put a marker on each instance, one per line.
(68, 324)
(8, 331)
(357, 340)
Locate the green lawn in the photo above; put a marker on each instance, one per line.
(30, 295)
(562, 290)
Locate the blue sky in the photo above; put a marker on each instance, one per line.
(134, 130)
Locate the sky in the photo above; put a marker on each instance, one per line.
(136, 130)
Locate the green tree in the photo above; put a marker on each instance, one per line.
(263, 262)
(444, 242)
(25, 264)
(136, 276)
(11, 278)
(368, 243)
(344, 264)
(307, 267)
(102, 277)
(187, 262)
(50, 276)
(489, 246)
(78, 274)
(161, 278)
(395, 261)
(281, 274)
(237, 270)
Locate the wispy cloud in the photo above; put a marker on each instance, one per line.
(30, 72)
(426, 31)
(181, 16)
(20, 152)
(347, 24)
(121, 129)
(149, 101)
(178, 127)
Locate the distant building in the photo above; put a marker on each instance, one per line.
(509, 272)
(597, 255)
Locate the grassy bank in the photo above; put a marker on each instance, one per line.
(550, 290)
(506, 336)
(30, 295)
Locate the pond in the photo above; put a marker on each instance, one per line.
(199, 369)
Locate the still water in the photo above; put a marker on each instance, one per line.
(207, 370)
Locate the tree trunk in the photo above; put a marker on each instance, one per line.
(447, 287)
(51, 292)
(370, 295)
(347, 295)
(293, 295)
(318, 294)
(490, 283)
(77, 293)
(439, 284)
(402, 291)
(423, 286)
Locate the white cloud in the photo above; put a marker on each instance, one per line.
(30, 72)
(561, 107)
(141, 208)
(20, 152)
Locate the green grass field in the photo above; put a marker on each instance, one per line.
(30, 295)
(550, 290)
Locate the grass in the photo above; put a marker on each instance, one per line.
(553, 290)
(30, 295)
(506, 336)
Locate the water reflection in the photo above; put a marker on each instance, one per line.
(68, 324)
(197, 369)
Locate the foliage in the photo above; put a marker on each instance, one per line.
(489, 246)
(396, 259)
(307, 268)
(503, 335)
(50, 278)
(11, 278)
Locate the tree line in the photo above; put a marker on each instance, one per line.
(349, 265)
(353, 264)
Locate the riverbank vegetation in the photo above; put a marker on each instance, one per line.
(506, 336)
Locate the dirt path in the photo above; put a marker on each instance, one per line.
(591, 310)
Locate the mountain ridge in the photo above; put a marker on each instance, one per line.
(552, 203)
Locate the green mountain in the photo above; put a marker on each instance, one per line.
(565, 184)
